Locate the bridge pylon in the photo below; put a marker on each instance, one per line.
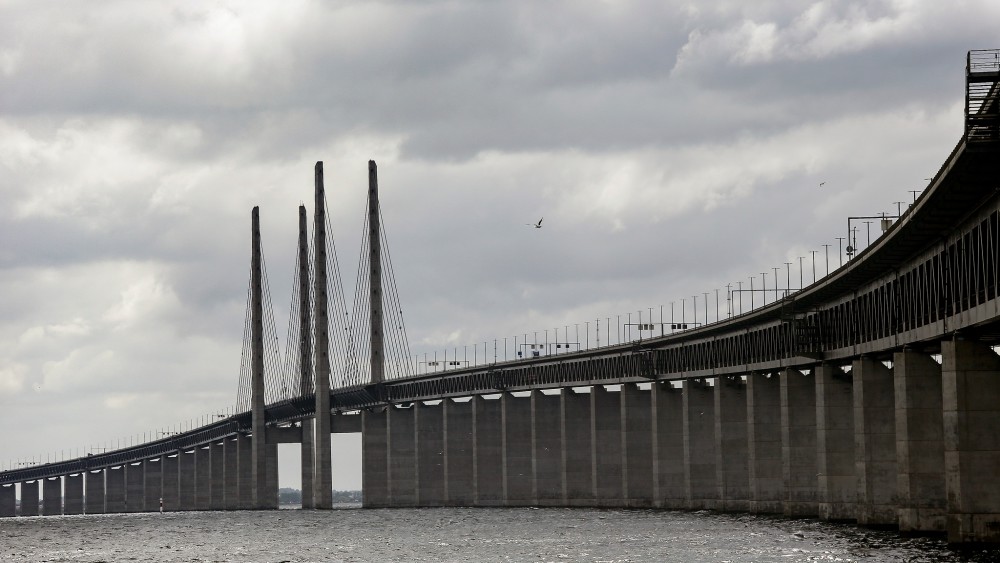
(260, 498)
(322, 462)
(375, 280)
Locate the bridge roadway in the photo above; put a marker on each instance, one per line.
(830, 402)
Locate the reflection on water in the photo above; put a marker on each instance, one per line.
(457, 534)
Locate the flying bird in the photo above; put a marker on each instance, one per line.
(821, 184)
(537, 225)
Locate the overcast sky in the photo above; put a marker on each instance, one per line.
(672, 147)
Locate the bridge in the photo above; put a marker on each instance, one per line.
(871, 396)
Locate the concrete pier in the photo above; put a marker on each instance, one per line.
(547, 447)
(637, 442)
(606, 429)
(217, 495)
(875, 443)
(52, 496)
(170, 475)
(668, 443)
(8, 501)
(402, 457)
(244, 454)
(767, 486)
(73, 494)
(29, 498)
(202, 478)
(186, 480)
(578, 447)
(154, 484)
(700, 488)
(430, 454)
(375, 458)
(919, 443)
(732, 476)
(517, 450)
(114, 489)
(135, 487)
(232, 473)
(459, 479)
(971, 410)
(94, 483)
(837, 484)
(798, 443)
(490, 473)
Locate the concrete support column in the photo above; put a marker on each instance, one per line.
(971, 402)
(519, 474)
(430, 454)
(154, 484)
(875, 443)
(202, 478)
(269, 501)
(668, 446)
(52, 496)
(94, 483)
(186, 479)
(732, 475)
(29, 498)
(837, 491)
(606, 425)
(919, 443)
(114, 490)
(374, 458)
(546, 438)
(402, 462)
(245, 474)
(307, 454)
(577, 448)
(232, 473)
(135, 487)
(798, 443)
(460, 479)
(700, 489)
(170, 491)
(8, 501)
(488, 438)
(637, 442)
(767, 486)
(217, 496)
(73, 494)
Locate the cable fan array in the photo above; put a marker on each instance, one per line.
(292, 378)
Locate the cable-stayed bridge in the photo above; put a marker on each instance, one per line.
(872, 395)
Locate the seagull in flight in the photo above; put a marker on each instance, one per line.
(821, 184)
(537, 225)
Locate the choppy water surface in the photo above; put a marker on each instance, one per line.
(456, 534)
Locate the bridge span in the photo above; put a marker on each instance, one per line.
(871, 396)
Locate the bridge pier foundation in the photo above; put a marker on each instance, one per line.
(374, 458)
(798, 443)
(244, 464)
(606, 422)
(153, 484)
(29, 498)
(115, 489)
(170, 479)
(919, 443)
(767, 488)
(459, 482)
(186, 480)
(135, 487)
(637, 443)
(402, 456)
(73, 500)
(547, 449)
(837, 484)
(232, 473)
(875, 443)
(732, 476)
(8, 501)
(700, 488)
(578, 442)
(971, 408)
(518, 487)
(203, 478)
(490, 472)
(430, 454)
(94, 483)
(217, 496)
(308, 449)
(668, 444)
(52, 496)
